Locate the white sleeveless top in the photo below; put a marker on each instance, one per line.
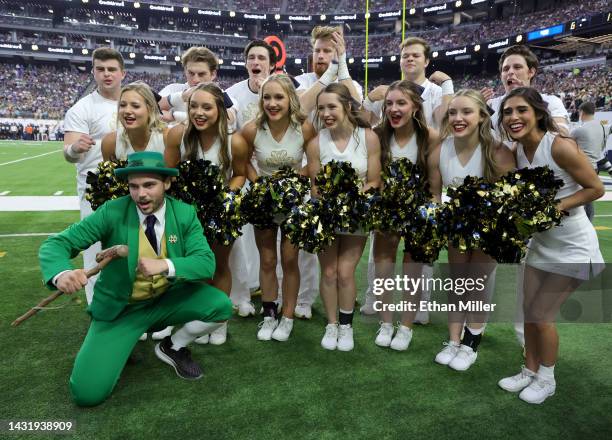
(451, 169)
(212, 154)
(271, 155)
(356, 152)
(543, 157)
(409, 151)
(123, 146)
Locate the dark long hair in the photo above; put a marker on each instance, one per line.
(545, 122)
(352, 108)
(191, 138)
(385, 131)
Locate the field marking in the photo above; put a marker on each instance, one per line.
(602, 228)
(39, 203)
(31, 157)
(58, 193)
(2, 254)
(3, 193)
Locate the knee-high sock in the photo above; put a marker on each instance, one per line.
(191, 331)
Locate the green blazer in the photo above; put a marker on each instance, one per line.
(116, 222)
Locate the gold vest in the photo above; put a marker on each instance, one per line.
(149, 287)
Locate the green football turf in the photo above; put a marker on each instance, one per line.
(41, 170)
(266, 390)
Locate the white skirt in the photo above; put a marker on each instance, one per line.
(570, 249)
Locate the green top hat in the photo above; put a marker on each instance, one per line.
(146, 162)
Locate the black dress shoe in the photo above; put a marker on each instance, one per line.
(180, 359)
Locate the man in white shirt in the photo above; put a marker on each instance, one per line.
(415, 54)
(329, 65)
(200, 65)
(86, 123)
(591, 138)
(260, 63)
(518, 66)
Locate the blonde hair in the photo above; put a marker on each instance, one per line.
(421, 131)
(485, 132)
(296, 115)
(323, 33)
(154, 122)
(191, 137)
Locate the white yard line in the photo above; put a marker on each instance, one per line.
(58, 193)
(3, 193)
(31, 157)
(39, 203)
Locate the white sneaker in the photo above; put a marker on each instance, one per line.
(539, 390)
(464, 359)
(330, 338)
(517, 382)
(448, 353)
(282, 332)
(143, 337)
(158, 336)
(219, 336)
(421, 317)
(367, 309)
(402, 338)
(203, 340)
(266, 328)
(303, 310)
(345, 338)
(245, 309)
(384, 334)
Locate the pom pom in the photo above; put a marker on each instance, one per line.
(201, 183)
(103, 185)
(271, 198)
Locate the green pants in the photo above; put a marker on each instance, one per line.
(108, 344)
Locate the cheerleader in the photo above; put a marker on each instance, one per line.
(403, 133)
(560, 259)
(207, 137)
(468, 148)
(277, 137)
(140, 128)
(344, 136)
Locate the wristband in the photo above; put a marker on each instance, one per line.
(330, 74)
(447, 87)
(343, 72)
(71, 153)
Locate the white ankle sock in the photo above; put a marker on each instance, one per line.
(476, 331)
(547, 372)
(191, 331)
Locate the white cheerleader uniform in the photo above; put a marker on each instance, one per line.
(356, 152)
(451, 170)
(123, 146)
(271, 154)
(571, 248)
(453, 174)
(243, 267)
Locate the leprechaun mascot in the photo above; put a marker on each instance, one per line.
(162, 281)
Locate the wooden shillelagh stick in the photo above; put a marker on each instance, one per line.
(103, 258)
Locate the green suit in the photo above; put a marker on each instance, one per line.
(116, 323)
